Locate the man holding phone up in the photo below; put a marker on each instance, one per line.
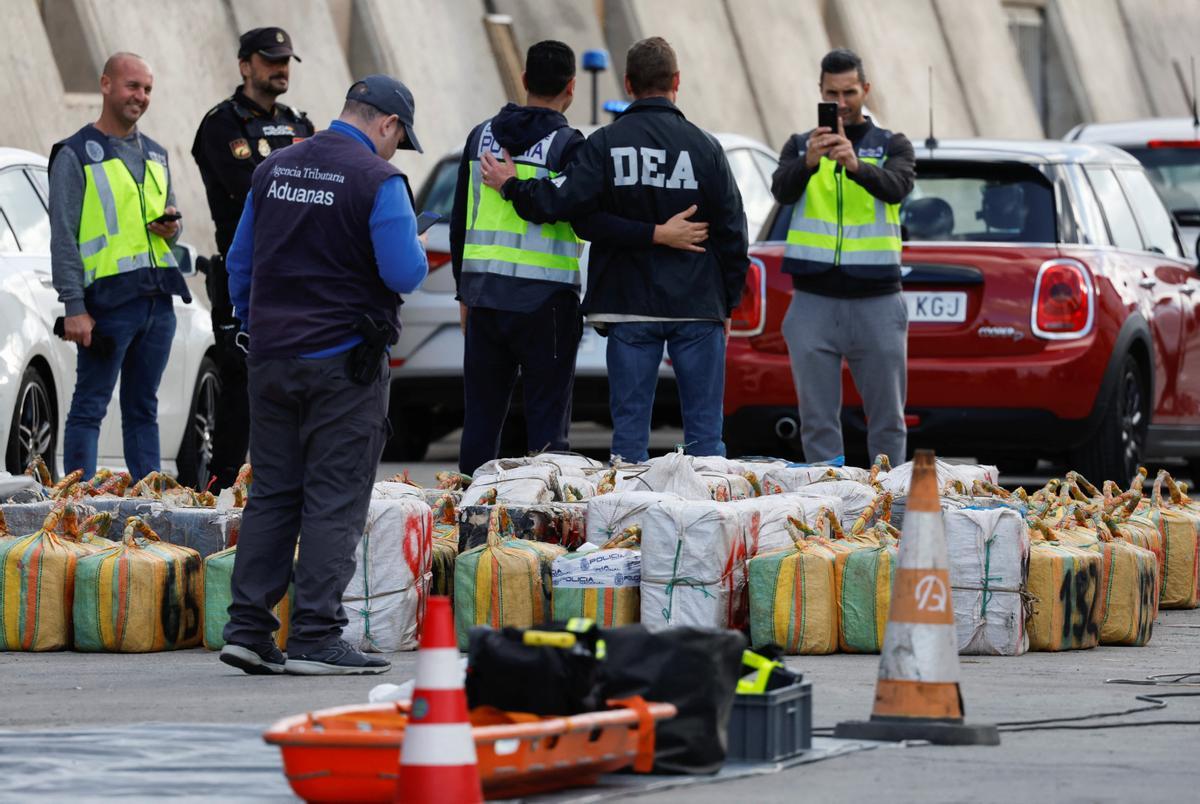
(112, 224)
(846, 179)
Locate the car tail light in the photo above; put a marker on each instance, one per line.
(750, 316)
(1173, 144)
(436, 259)
(1064, 303)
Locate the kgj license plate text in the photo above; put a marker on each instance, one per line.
(946, 307)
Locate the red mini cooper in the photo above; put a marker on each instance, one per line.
(1052, 315)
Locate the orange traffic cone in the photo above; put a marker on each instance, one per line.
(437, 760)
(917, 696)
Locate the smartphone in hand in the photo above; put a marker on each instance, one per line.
(167, 217)
(827, 116)
(425, 220)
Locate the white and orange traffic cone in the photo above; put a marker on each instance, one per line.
(437, 760)
(917, 696)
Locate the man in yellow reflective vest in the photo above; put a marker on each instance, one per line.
(112, 225)
(518, 283)
(843, 252)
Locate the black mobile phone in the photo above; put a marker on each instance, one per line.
(102, 345)
(167, 217)
(425, 220)
(827, 116)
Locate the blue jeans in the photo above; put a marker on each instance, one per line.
(141, 331)
(697, 352)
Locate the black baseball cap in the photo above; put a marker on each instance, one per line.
(270, 43)
(390, 97)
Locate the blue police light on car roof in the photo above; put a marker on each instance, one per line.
(615, 106)
(595, 60)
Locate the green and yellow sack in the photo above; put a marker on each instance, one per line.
(217, 585)
(504, 582)
(139, 596)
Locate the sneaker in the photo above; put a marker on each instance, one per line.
(257, 660)
(339, 659)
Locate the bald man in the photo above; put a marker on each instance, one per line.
(112, 225)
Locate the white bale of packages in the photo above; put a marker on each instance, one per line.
(385, 599)
(567, 463)
(391, 490)
(726, 487)
(20, 488)
(989, 563)
(671, 474)
(854, 496)
(530, 483)
(764, 519)
(780, 479)
(693, 556)
(898, 480)
(576, 487)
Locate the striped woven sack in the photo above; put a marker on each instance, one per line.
(504, 582)
(1179, 526)
(139, 596)
(37, 582)
(793, 596)
(217, 585)
(445, 546)
(1064, 584)
(863, 571)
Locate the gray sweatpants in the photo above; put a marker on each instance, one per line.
(315, 442)
(872, 335)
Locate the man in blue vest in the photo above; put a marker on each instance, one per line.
(518, 283)
(112, 265)
(326, 243)
(843, 252)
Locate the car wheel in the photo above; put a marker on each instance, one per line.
(34, 429)
(1116, 449)
(411, 429)
(196, 450)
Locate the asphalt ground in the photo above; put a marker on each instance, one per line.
(83, 693)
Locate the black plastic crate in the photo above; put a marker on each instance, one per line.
(772, 726)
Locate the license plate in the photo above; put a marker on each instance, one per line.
(944, 307)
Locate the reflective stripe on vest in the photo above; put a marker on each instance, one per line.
(499, 241)
(113, 238)
(837, 221)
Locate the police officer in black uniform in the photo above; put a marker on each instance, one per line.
(234, 137)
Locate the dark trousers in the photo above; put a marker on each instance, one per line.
(231, 438)
(541, 346)
(316, 437)
(141, 332)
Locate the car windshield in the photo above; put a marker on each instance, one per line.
(1176, 173)
(438, 191)
(971, 201)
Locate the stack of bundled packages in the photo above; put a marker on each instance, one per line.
(37, 578)
(385, 599)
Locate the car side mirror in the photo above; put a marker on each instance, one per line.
(185, 258)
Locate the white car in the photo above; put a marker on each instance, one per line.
(427, 388)
(37, 369)
(1169, 149)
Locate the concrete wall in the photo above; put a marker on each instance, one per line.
(987, 67)
(574, 22)
(898, 43)
(1098, 59)
(714, 90)
(440, 50)
(783, 44)
(30, 88)
(1165, 36)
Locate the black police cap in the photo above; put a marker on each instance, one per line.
(270, 43)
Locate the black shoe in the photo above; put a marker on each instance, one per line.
(257, 660)
(339, 659)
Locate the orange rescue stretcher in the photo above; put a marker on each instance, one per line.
(352, 753)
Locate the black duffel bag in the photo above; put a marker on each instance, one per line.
(548, 670)
(697, 669)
